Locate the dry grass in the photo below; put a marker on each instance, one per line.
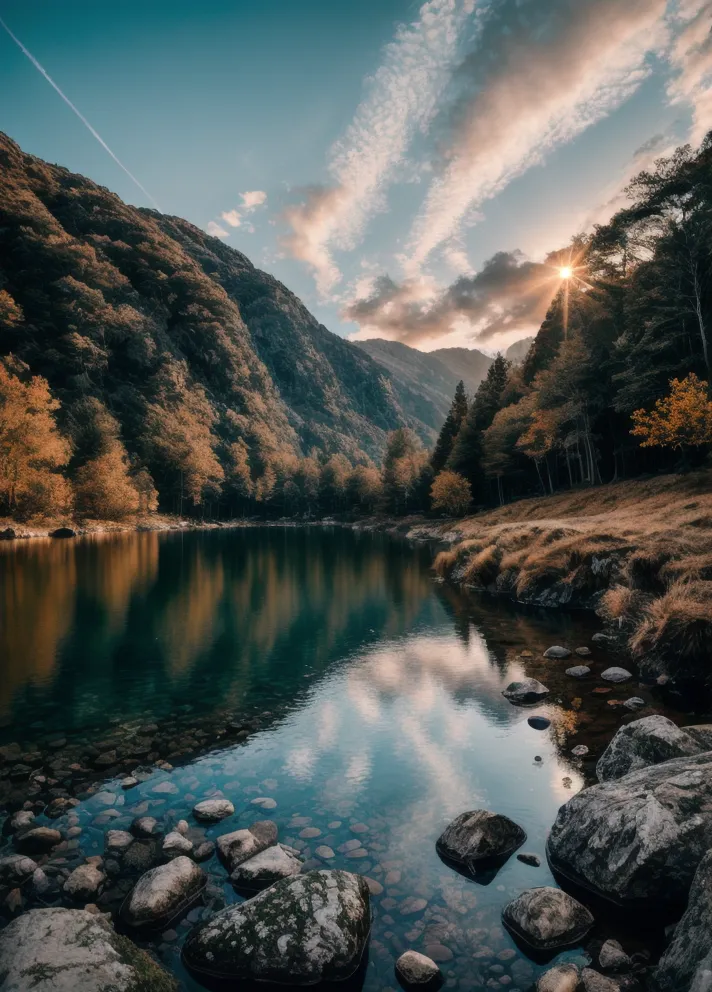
(641, 552)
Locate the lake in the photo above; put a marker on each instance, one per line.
(370, 700)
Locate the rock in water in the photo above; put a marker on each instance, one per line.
(479, 836)
(265, 868)
(561, 978)
(303, 930)
(240, 845)
(612, 957)
(687, 962)
(638, 838)
(38, 840)
(578, 671)
(616, 675)
(642, 743)
(593, 981)
(84, 883)
(67, 950)
(526, 691)
(415, 970)
(16, 869)
(163, 893)
(546, 918)
(557, 652)
(212, 810)
(176, 844)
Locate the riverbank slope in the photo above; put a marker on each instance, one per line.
(638, 552)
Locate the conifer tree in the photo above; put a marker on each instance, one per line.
(450, 429)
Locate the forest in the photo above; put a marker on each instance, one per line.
(141, 367)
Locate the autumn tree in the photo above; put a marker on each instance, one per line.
(450, 494)
(32, 451)
(403, 467)
(365, 488)
(450, 429)
(682, 419)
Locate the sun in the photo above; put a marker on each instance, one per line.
(566, 272)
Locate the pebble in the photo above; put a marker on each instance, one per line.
(578, 671)
(615, 674)
(264, 802)
(411, 905)
(308, 833)
(324, 852)
(579, 751)
(529, 859)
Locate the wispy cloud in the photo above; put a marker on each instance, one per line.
(231, 217)
(40, 68)
(253, 198)
(508, 296)
(691, 57)
(548, 82)
(402, 98)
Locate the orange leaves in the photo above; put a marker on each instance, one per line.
(681, 419)
(451, 494)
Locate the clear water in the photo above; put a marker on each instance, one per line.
(379, 694)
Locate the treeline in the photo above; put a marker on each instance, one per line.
(616, 383)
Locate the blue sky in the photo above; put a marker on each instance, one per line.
(373, 138)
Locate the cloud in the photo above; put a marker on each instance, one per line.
(253, 199)
(691, 58)
(533, 87)
(402, 98)
(508, 296)
(231, 217)
(216, 230)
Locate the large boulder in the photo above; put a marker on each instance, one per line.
(213, 810)
(526, 691)
(65, 950)
(303, 930)
(266, 868)
(479, 836)
(687, 962)
(240, 845)
(643, 743)
(162, 894)
(546, 918)
(638, 838)
(416, 971)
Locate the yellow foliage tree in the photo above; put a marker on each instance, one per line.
(450, 493)
(681, 419)
(32, 451)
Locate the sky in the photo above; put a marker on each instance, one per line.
(407, 169)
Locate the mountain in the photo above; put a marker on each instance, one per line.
(517, 352)
(146, 327)
(426, 381)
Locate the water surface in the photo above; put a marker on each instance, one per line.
(378, 695)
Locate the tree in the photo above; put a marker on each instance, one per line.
(403, 465)
(450, 429)
(680, 420)
(365, 488)
(451, 493)
(32, 451)
(466, 455)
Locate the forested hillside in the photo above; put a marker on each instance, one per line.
(616, 382)
(171, 367)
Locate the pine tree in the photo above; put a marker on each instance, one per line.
(466, 456)
(450, 429)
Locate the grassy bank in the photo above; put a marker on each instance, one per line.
(639, 552)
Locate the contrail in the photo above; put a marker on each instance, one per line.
(79, 114)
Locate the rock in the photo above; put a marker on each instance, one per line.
(301, 931)
(412, 905)
(140, 856)
(479, 836)
(129, 782)
(40, 883)
(63, 532)
(176, 844)
(600, 638)
(65, 950)
(578, 671)
(15, 869)
(594, 982)
(638, 838)
(21, 820)
(165, 789)
(84, 883)
(415, 970)
(213, 810)
(264, 802)
(162, 894)
(117, 840)
(634, 703)
(539, 722)
(702, 733)
(579, 751)
(38, 840)
(533, 860)
(325, 852)
(616, 675)
(642, 743)
(145, 826)
(265, 868)
(583, 652)
(526, 691)
(238, 846)
(687, 962)
(106, 760)
(547, 919)
(561, 978)
(612, 957)
(557, 652)
(8, 534)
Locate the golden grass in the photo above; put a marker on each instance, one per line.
(640, 550)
